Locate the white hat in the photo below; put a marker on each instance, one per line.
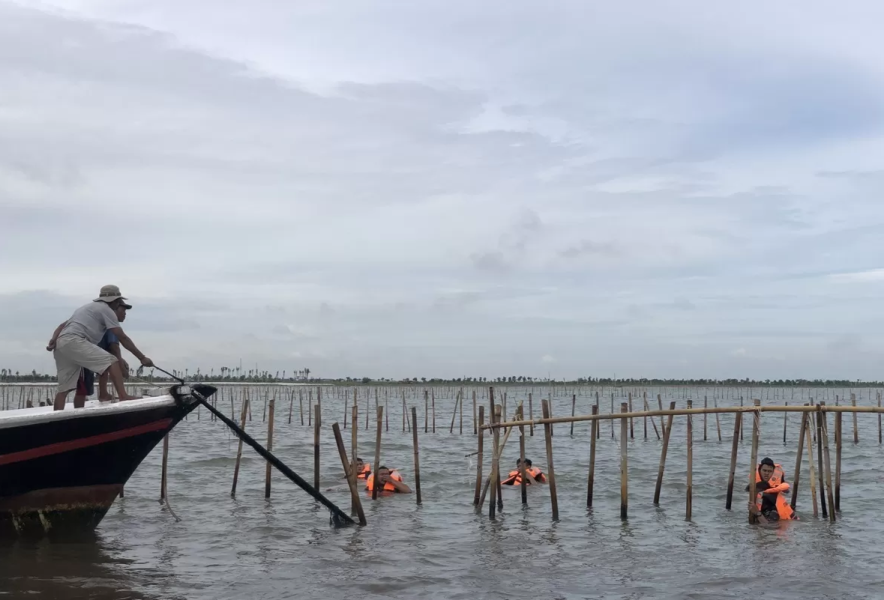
(110, 293)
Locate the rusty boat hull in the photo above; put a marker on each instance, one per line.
(60, 471)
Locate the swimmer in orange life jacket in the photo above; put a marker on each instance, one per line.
(390, 481)
(770, 504)
(362, 469)
(533, 473)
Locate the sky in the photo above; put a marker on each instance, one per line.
(677, 189)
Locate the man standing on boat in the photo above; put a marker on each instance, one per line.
(77, 345)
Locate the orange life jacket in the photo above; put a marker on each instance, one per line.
(387, 487)
(366, 469)
(515, 477)
(777, 486)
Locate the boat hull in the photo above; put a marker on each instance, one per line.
(60, 473)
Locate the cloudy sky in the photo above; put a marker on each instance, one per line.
(447, 188)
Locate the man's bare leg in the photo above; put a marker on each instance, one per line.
(79, 401)
(103, 396)
(60, 400)
(116, 376)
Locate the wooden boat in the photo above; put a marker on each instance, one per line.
(60, 471)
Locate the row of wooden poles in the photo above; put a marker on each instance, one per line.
(813, 417)
(346, 462)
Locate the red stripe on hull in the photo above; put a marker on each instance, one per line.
(86, 442)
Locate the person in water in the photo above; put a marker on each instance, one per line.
(362, 468)
(390, 481)
(770, 503)
(533, 474)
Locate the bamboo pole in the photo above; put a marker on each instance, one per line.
(454, 414)
(377, 452)
(291, 406)
(820, 468)
(269, 447)
(705, 405)
(531, 414)
(426, 411)
(353, 453)
(653, 423)
(690, 474)
(828, 465)
(645, 419)
(461, 411)
(475, 426)
(590, 481)
(495, 459)
(738, 423)
(316, 447)
(551, 474)
(386, 414)
(756, 424)
(613, 437)
(667, 429)
(355, 501)
(855, 427)
(433, 408)
(404, 418)
(165, 468)
(798, 458)
(345, 413)
(631, 422)
(812, 477)
(880, 441)
(417, 464)
(573, 410)
(481, 431)
(245, 408)
(309, 410)
(597, 409)
(301, 406)
(785, 422)
(660, 406)
(717, 421)
(624, 464)
(524, 486)
(837, 504)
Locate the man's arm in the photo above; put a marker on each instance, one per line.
(55, 335)
(400, 487)
(115, 350)
(129, 345)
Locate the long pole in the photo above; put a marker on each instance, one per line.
(690, 475)
(481, 433)
(317, 410)
(756, 418)
(417, 463)
(551, 475)
(351, 473)
(738, 422)
(269, 447)
(590, 481)
(377, 452)
(797, 478)
(667, 429)
(624, 464)
(245, 404)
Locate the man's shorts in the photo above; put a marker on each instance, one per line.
(86, 382)
(72, 354)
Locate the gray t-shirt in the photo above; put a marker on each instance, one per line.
(91, 321)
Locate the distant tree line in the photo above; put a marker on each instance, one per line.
(228, 374)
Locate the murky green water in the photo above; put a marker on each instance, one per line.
(284, 547)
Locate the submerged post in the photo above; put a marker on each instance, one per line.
(531, 414)
(690, 475)
(809, 440)
(837, 503)
(855, 427)
(797, 478)
(269, 447)
(377, 452)
(316, 447)
(479, 454)
(547, 428)
(494, 480)
(165, 467)
(624, 492)
(245, 405)
(417, 463)
(756, 418)
(350, 472)
(524, 483)
(820, 468)
(667, 429)
(825, 443)
(590, 482)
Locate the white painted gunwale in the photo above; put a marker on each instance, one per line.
(45, 414)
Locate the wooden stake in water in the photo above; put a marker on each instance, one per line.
(165, 467)
(717, 421)
(356, 503)
(631, 428)
(480, 422)
(667, 429)
(524, 486)
(855, 427)
(573, 409)
(269, 448)
(531, 414)
(426, 411)
(690, 477)
(800, 454)
(785, 422)
(825, 444)
(756, 419)
(590, 480)
(316, 409)
(809, 440)
(417, 464)
(880, 441)
(377, 453)
(551, 474)
(837, 504)
(705, 406)
(461, 412)
(291, 406)
(345, 413)
(495, 459)
(242, 425)
(301, 407)
(624, 464)
(475, 422)
(454, 413)
(598, 430)
(433, 408)
(820, 468)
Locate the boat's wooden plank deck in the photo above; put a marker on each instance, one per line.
(93, 408)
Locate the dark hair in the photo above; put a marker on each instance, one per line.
(359, 459)
(766, 461)
(382, 467)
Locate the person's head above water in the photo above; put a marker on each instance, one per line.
(766, 469)
(359, 464)
(527, 463)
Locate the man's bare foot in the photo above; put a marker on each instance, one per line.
(105, 398)
(128, 397)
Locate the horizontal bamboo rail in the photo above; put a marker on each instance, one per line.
(691, 411)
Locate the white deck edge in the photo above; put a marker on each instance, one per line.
(94, 408)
